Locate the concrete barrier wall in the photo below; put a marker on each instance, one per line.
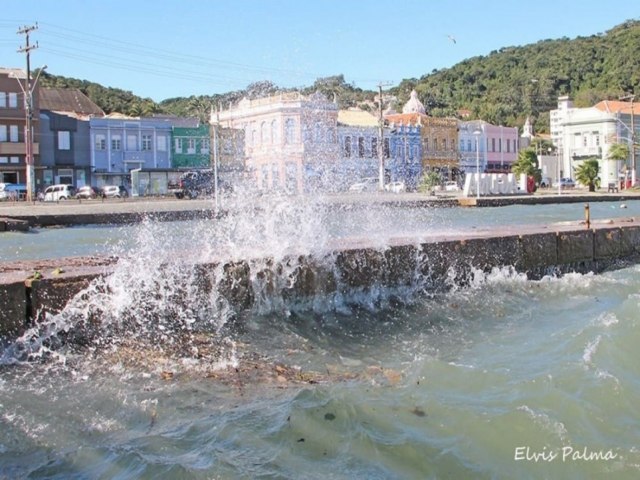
(436, 264)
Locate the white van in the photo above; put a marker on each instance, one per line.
(55, 193)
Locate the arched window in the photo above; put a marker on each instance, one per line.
(264, 133)
(274, 132)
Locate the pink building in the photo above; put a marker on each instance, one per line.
(494, 148)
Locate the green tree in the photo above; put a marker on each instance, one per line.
(527, 164)
(428, 181)
(619, 152)
(587, 173)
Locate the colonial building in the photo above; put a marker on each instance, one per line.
(438, 136)
(290, 139)
(583, 133)
(13, 122)
(492, 148)
(121, 144)
(358, 138)
(64, 133)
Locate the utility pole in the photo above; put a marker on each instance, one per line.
(28, 103)
(381, 135)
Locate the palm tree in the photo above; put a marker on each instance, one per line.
(527, 164)
(587, 173)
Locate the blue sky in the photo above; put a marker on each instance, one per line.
(161, 49)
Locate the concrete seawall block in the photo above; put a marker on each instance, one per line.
(13, 298)
(360, 267)
(438, 263)
(576, 246)
(401, 265)
(50, 295)
(630, 240)
(539, 250)
(608, 244)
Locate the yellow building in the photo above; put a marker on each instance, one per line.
(439, 136)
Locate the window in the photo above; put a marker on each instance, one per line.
(132, 143)
(264, 132)
(469, 145)
(374, 147)
(274, 132)
(289, 131)
(435, 144)
(13, 133)
(597, 137)
(444, 144)
(116, 142)
(3, 100)
(493, 144)
(347, 146)
(500, 145)
(508, 145)
(161, 143)
(386, 148)
(178, 145)
(14, 160)
(461, 145)
(584, 140)
(101, 142)
(4, 159)
(3, 133)
(13, 100)
(64, 140)
(206, 145)
(191, 148)
(146, 142)
(317, 133)
(426, 144)
(361, 147)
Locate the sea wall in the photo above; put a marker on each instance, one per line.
(30, 290)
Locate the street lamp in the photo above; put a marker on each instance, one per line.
(477, 134)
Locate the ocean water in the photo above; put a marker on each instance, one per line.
(504, 378)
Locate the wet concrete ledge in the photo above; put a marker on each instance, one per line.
(31, 289)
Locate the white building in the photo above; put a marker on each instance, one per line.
(289, 138)
(583, 133)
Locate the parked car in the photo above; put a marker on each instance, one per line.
(12, 191)
(451, 187)
(395, 187)
(55, 193)
(114, 191)
(86, 192)
(365, 185)
(565, 183)
(197, 183)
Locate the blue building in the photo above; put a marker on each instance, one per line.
(122, 144)
(404, 164)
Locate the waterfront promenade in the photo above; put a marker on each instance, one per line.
(131, 210)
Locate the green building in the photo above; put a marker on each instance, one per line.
(191, 147)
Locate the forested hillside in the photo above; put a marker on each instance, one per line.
(503, 87)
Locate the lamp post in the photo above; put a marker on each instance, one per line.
(477, 134)
(633, 145)
(559, 172)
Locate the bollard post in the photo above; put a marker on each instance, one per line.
(587, 215)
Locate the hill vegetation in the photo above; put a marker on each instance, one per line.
(503, 87)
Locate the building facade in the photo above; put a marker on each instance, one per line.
(64, 133)
(583, 133)
(491, 148)
(119, 145)
(359, 155)
(290, 139)
(438, 136)
(191, 147)
(13, 121)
